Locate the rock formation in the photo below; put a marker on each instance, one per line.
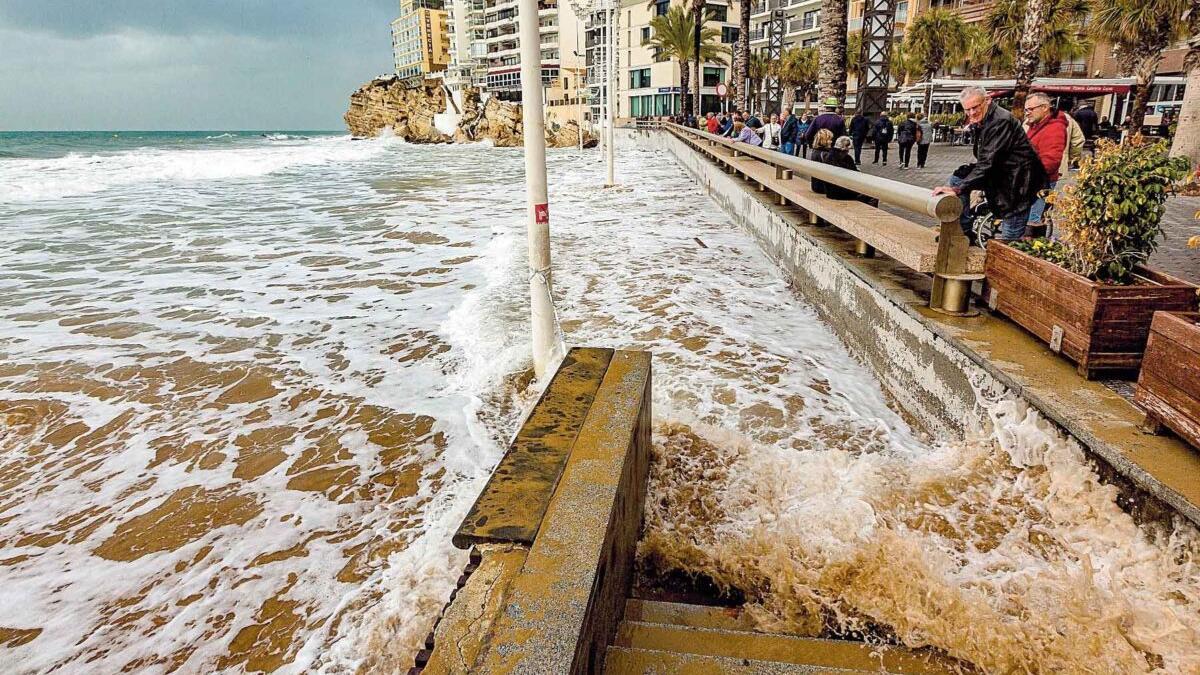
(408, 108)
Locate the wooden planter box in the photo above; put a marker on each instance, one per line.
(1098, 326)
(1168, 388)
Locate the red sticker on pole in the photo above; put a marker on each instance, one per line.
(541, 213)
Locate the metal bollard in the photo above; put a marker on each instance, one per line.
(863, 250)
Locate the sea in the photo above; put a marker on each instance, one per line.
(251, 381)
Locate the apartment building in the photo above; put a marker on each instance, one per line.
(420, 39)
(649, 84)
(561, 48)
(468, 46)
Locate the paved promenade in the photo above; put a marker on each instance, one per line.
(1173, 255)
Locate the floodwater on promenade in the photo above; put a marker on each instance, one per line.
(249, 386)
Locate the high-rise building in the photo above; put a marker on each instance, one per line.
(420, 38)
(559, 30)
(468, 45)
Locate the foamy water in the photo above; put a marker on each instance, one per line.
(249, 392)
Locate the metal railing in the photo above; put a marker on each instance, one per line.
(951, 282)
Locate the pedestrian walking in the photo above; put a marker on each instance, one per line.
(789, 133)
(924, 139)
(906, 138)
(881, 135)
(1006, 166)
(770, 133)
(1085, 115)
(802, 139)
(860, 129)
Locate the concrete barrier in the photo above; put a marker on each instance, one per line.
(552, 603)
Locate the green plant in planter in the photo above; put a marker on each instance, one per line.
(1109, 222)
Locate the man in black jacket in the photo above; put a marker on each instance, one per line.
(860, 128)
(1006, 166)
(881, 134)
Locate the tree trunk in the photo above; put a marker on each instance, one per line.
(929, 92)
(1187, 135)
(789, 99)
(741, 66)
(699, 81)
(1029, 51)
(832, 78)
(685, 79)
(1143, 73)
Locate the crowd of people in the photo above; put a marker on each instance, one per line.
(1016, 163)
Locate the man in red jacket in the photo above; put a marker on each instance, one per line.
(1048, 133)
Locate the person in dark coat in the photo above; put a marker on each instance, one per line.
(906, 138)
(789, 134)
(1085, 117)
(822, 144)
(1006, 166)
(839, 156)
(830, 119)
(860, 128)
(881, 135)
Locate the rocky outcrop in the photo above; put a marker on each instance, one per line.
(499, 121)
(406, 107)
(409, 107)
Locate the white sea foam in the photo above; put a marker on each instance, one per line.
(374, 275)
(39, 180)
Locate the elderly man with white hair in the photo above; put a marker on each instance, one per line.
(1006, 167)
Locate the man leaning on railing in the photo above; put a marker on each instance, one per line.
(1006, 167)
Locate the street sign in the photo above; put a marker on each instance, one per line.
(722, 90)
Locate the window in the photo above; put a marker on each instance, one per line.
(645, 34)
(729, 34)
(639, 78)
(718, 13)
(661, 7)
(811, 42)
(902, 12)
(811, 18)
(713, 76)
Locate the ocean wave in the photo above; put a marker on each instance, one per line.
(35, 180)
(220, 136)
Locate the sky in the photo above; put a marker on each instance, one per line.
(187, 64)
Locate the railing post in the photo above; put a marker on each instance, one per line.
(951, 284)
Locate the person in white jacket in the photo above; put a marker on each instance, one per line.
(770, 132)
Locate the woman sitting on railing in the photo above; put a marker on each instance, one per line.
(744, 134)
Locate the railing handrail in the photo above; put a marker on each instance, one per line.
(946, 208)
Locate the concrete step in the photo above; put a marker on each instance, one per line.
(629, 661)
(694, 616)
(770, 647)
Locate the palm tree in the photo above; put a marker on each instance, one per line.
(698, 17)
(796, 68)
(1141, 30)
(937, 38)
(741, 55)
(1061, 37)
(672, 37)
(832, 81)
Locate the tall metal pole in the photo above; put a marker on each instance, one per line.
(612, 93)
(538, 209)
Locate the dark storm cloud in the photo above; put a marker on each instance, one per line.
(74, 18)
(203, 64)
